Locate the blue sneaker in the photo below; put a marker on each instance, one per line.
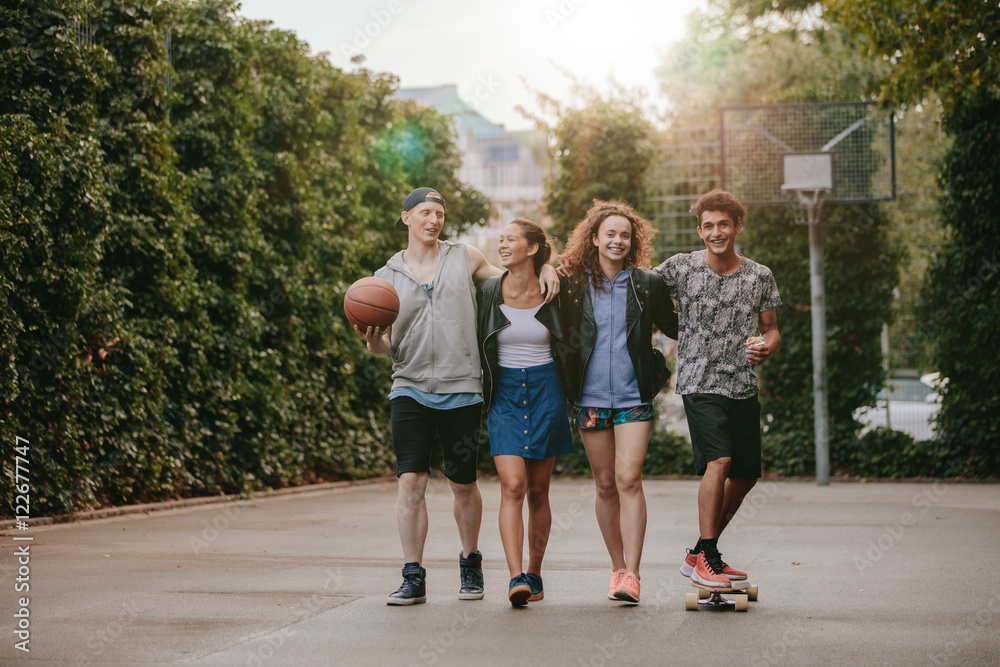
(535, 582)
(519, 590)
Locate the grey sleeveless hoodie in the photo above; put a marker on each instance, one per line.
(433, 341)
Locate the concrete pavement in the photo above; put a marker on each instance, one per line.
(887, 573)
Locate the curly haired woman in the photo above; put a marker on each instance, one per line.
(612, 300)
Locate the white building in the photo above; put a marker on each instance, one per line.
(508, 167)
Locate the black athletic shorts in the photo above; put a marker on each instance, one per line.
(725, 427)
(413, 429)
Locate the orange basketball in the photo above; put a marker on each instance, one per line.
(371, 302)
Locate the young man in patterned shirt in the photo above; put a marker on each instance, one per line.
(724, 300)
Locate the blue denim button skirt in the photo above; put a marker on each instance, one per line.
(528, 417)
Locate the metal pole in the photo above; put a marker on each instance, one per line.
(887, 385)
(819, 344)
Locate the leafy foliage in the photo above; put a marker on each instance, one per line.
(600, 150)
(949, 49)
(962, 299)
(749, 52)
(177, 230)
(946, 48)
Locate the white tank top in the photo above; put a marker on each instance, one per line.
(526, 342)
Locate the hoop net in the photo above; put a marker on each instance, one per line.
(808, 203)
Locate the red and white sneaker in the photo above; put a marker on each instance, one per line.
(691, 560)
(687, 567)
(709, 572)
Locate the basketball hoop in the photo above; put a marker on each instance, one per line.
(809, 204)
(837, 152)
(809, 176)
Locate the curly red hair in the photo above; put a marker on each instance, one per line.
(580, 255)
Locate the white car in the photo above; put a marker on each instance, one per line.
(912, 404)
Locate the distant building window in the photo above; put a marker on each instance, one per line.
(501, 153)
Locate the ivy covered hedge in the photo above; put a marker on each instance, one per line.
(184, 198)
(961, 306)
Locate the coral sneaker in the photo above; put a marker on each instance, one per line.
(628, 589)
(709, 572)
(616, 582)
(687, 567)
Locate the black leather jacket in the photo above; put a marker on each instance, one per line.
(648, 303)
(490, 320)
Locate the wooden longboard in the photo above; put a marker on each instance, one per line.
(711, 596)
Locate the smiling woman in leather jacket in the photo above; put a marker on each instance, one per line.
(611, 303)
(522, 393)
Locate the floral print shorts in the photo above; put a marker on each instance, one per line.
(593, 419)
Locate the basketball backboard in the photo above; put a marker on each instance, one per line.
(846, 149)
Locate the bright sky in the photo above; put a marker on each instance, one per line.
(486, 48)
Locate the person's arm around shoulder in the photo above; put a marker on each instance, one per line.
(664, 315)
(767, 324)
(668, 271)
(480, 267)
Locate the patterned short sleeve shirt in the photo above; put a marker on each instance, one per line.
(717, 314)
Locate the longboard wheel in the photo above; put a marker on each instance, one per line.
(691, 602)
(742, 603)
(752, 593)
(703, 594)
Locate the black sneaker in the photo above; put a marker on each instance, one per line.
(413, 590)
(472, 576)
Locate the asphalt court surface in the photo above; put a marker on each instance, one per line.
(872, 574)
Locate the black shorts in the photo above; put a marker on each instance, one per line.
(725, 427)
(413, 429)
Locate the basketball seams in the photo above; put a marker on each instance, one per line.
(354, 288)
(361, 320)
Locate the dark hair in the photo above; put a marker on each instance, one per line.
(581, 254)
(535, 234)
(720, 200)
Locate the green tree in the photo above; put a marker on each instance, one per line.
(600, 149)
(767, 53)
(201, 189)
(950, 49)
(96, 214)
